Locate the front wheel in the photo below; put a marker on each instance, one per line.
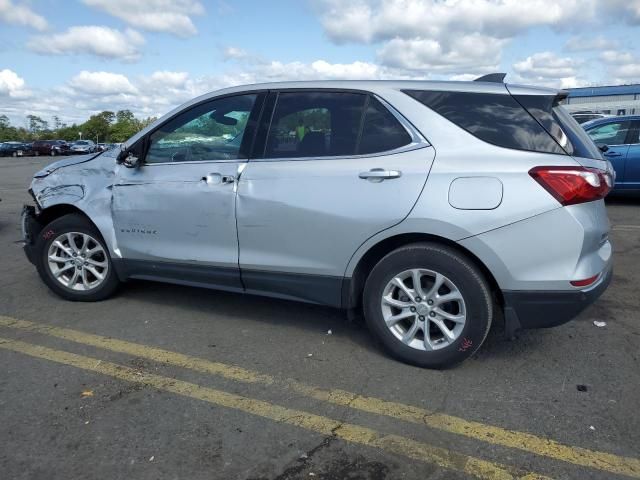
(428, 304)
(73, 260)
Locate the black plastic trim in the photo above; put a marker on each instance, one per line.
(318, 289)
(224, 278)
(543, 309)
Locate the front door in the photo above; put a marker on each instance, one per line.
(338, 167)
(174, 216)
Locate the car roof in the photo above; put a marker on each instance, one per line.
(611, 119)
(449, 85)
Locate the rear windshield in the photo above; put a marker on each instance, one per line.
(494, 118)
(565, 130)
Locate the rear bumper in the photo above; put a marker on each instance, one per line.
(543, 309)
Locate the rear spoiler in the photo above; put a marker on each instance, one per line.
(492, 77)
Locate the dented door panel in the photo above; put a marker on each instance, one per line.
(170, 213)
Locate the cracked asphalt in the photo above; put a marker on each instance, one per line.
(164, 381)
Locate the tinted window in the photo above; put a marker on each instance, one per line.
(494, 118)
(381, 131)
(315, 124)
(210, 131)
(614, 133)
(560, 125)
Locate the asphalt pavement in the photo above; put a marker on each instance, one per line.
(164, 381)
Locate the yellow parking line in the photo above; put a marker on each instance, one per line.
(495, 435)
(326, 426)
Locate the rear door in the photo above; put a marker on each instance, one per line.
(335, 168)
(632, 166)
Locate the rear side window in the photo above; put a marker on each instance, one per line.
(494, 118)
(614, 133)
(315, 124)
(564, 129)
(381, 131)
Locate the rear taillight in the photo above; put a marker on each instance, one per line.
(571, 185)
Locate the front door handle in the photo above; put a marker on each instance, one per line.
(218, 179)
(380, 174)
(612, 154)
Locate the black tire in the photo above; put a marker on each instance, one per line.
(462, 272)
(66, 224)
(37, 154)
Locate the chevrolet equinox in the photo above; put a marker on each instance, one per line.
(432, 207)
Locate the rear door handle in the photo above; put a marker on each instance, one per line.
(380, 174)
(218, 179)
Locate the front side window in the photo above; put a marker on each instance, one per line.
(210, 131)
(315, 124)
(614, 133)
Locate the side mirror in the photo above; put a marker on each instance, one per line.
(603, 148)
(128, 159)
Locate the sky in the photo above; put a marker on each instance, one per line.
(74, 58)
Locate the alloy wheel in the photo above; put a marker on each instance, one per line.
(78, 261)
(423, 309)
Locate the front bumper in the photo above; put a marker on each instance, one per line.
(30, 228)
(543, 309)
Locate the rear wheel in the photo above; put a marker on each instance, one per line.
(74, 261)
(428, 305)
(53, 152)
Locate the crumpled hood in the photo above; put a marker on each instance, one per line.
(65, 162)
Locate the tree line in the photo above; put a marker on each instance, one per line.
(106, 127)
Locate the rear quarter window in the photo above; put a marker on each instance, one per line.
(494, 118)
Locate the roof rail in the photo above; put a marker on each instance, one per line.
(492, 77)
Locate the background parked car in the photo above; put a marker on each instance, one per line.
(14, 149)
(50, 147)
(619, 138)
(583, 117)
(83, 147)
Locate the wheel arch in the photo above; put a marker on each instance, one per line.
(353, 287)
(53, 212)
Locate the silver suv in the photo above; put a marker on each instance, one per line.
(434, 208)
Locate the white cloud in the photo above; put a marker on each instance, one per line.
(453, 36)
(546, 65)
(20, 14)
(616, 57)
(12, 85)
(471, 53)
(93, 40)
(234, 53)
(582, 43)
(168, 16)
(101, 83)
(627, 10)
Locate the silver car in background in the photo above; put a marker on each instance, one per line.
(434, 208)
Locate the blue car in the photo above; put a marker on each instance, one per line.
(621, 136)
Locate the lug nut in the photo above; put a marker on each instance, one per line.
(432, 314)
(413, 309)
(429, 302)
(421, 317)
(418, 299)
